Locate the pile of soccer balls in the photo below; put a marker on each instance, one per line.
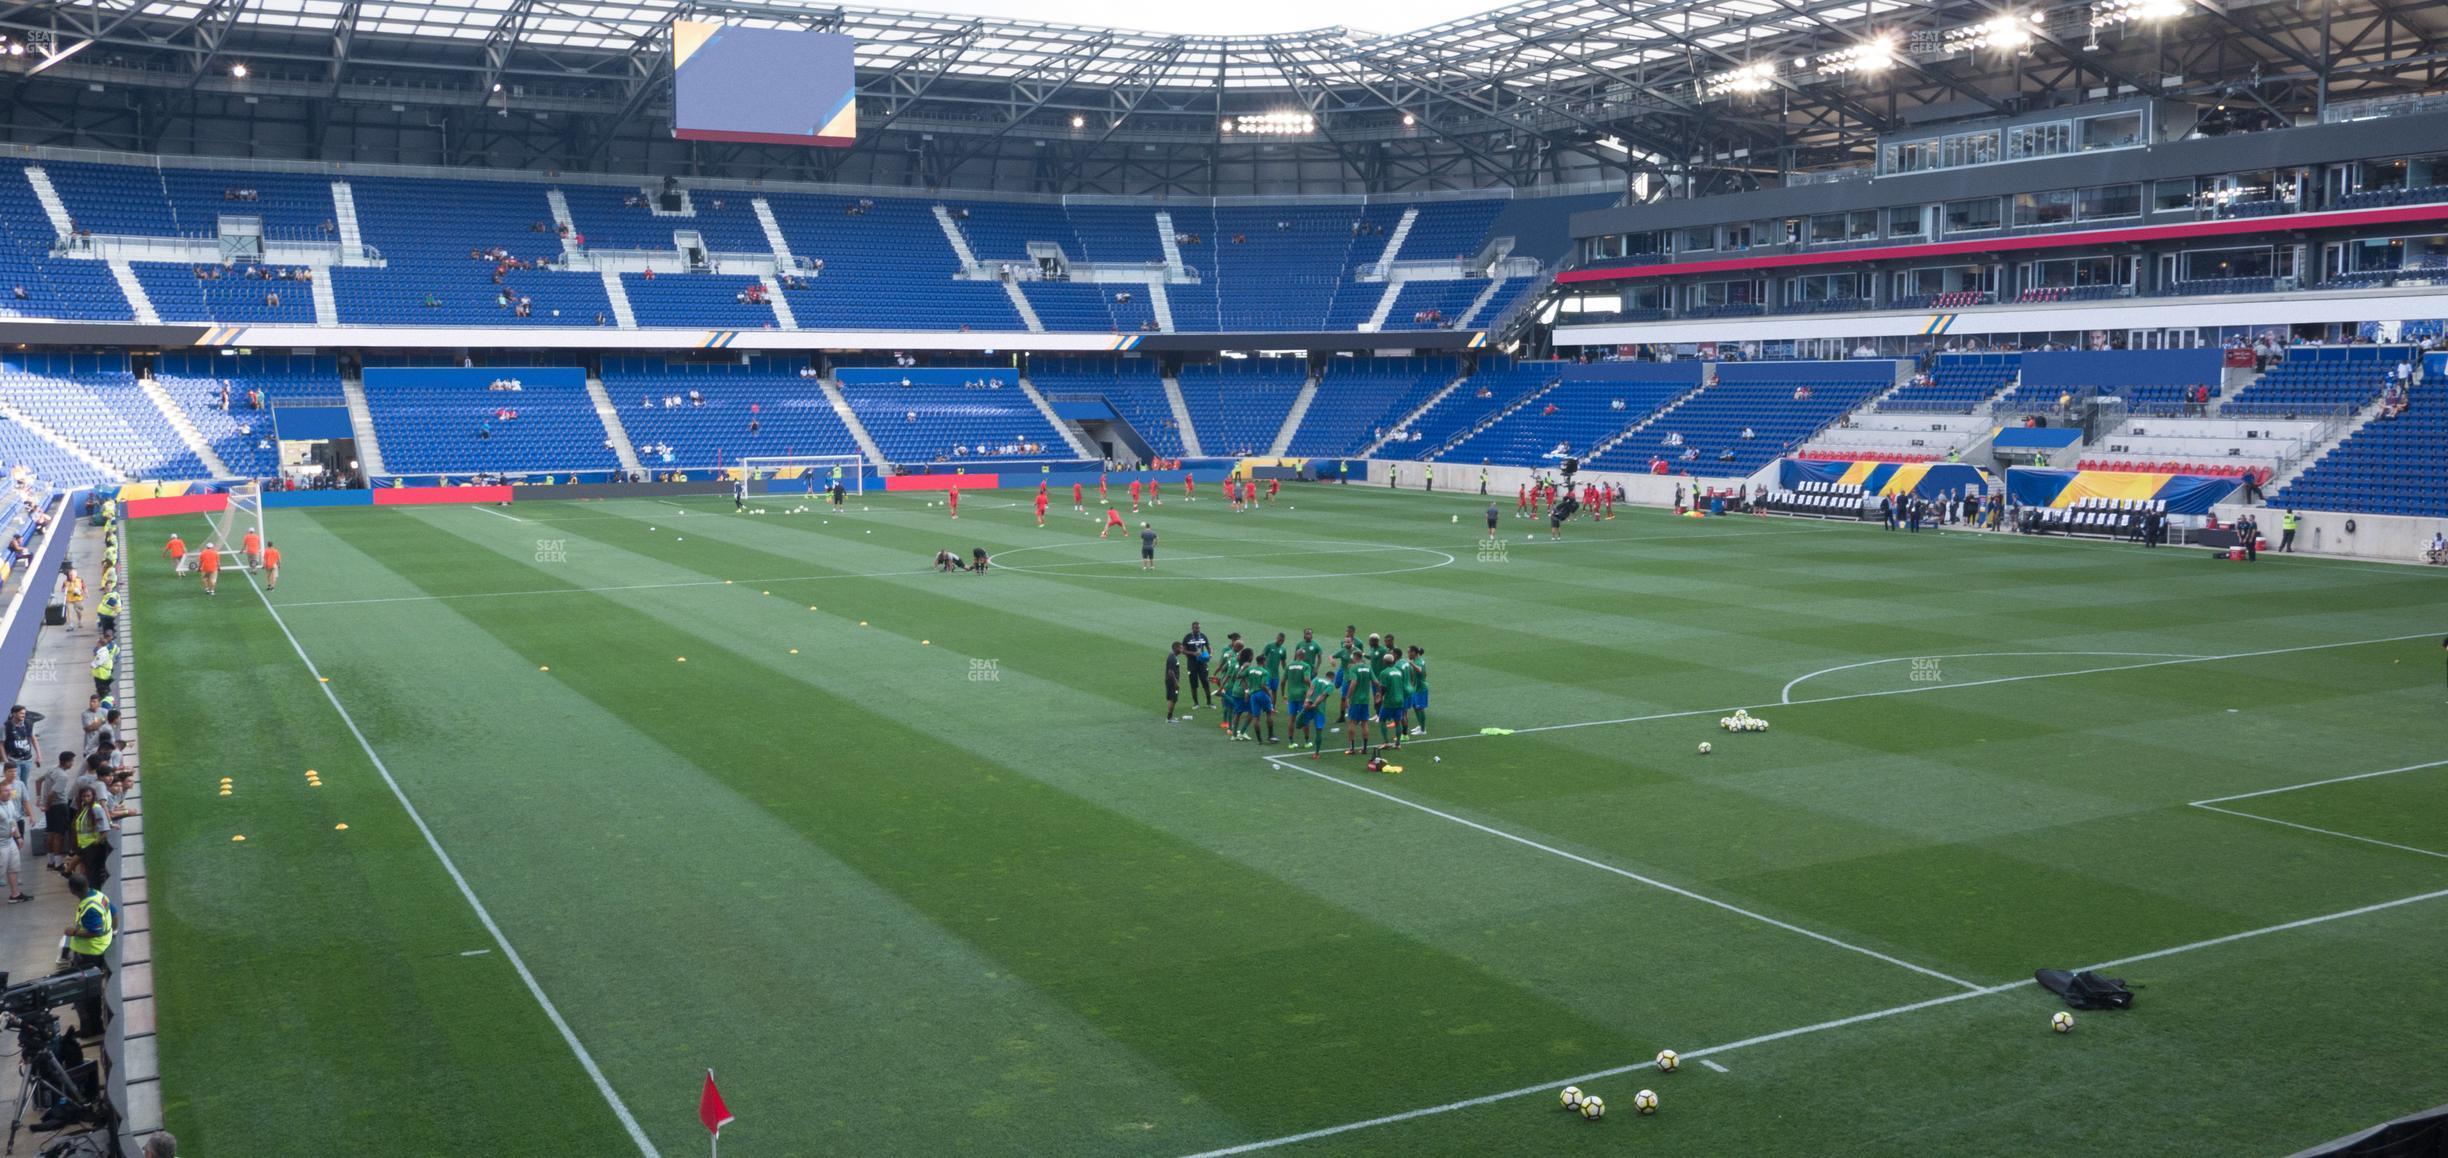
(1593, 1107)
(1742, 721)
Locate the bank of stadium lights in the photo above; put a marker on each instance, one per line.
(2004, 32)
(2109, 13)
(1756, 77)
(1271, 124)
(238, 71)
(1869, 58)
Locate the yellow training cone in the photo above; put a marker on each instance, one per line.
(238, 839)
(862, 623)
(546, 667)
(794, 651)
(684, 659)
(340, 827)
(225, 792)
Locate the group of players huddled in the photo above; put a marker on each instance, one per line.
(1366, 681)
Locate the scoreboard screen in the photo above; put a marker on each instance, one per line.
(766, 86)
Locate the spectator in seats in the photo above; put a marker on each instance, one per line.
(2437, 552)
(18, 292)
(1746, 433)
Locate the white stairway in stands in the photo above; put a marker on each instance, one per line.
(138, 299)
(1020, 302)
(781, 306)
(1172, 248)
(326, 302)
(186, 429)
(959, 241)
(1385, 305)
(621, 447)
(620, 300)
(1181, 418)
(361, 420)
(1402, 232)
(562, 218)
(54, 209)
(1069, 434)
(1162, 303)
(1480, 303)
(773, 230)
(1292, 418)
(1404, 423)
(858, 430)
(344, 215)
(36, 427)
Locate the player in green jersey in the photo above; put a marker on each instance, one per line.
(1308, 649)
(1394, 701)
(1296, 677)
(1257, 701)
(1419, 691)
(1271, 658)
(1359, 688)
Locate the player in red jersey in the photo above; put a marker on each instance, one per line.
(1100, 486)
(1079, 497)
(1189, 487)
(1538, 495)
(1155, 492)
(952, 500)
(1606, 502)
(1113, 518)
(1134, 496)
(1274, 488)
(1521, 501)
(1041, 506)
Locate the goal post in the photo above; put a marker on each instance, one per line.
(230, 525)
(813, 474)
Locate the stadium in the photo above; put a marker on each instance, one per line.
(757, 533)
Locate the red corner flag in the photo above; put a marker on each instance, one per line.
(710, 1108)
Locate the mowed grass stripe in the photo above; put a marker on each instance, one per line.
(314, 991)
(1163, 945)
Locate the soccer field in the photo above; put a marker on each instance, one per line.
(914, 864)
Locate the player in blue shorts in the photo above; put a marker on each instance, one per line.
(1419, 691)
(1260, 701)
(1357, 708)
(1313, 713)
(1394, 681)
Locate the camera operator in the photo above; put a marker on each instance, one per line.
(89, 942)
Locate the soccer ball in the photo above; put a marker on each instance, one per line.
(1593, 1107)
(1570, 1097)
(1726, 723)
(1645, 1101)
(1667, 1061)
(2062, 1022)
(1704, 747)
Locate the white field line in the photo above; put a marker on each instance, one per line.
(586, 1060)
(499, 515)
(1701, 1055)
(2322, 831)
(1713, 1065)
(1937, 687)
(1786, 695)
(1627, 874)
(2317, 783)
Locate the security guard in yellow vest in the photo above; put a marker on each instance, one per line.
(89, 938)
(105, 665)
(106, 616)
(2286, 527)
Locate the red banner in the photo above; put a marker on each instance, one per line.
(176, 505)
(429, 496)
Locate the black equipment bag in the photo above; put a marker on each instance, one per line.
(2086, 989)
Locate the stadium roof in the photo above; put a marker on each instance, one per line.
(1716, 93)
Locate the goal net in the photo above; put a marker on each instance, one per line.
(230, 527)
(808, 474)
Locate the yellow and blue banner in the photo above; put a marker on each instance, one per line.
(2184, 494)
(1926, 479)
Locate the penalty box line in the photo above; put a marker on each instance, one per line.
(1627, 874)
(1924, 688)
(1803, 1031)
(2212, 805)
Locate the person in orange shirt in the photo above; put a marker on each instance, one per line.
(250, 549)
(176, 548)
(209, 562)
(271, 562)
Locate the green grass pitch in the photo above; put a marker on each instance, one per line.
(913, 863)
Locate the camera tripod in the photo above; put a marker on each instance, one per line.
(70, 1088)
